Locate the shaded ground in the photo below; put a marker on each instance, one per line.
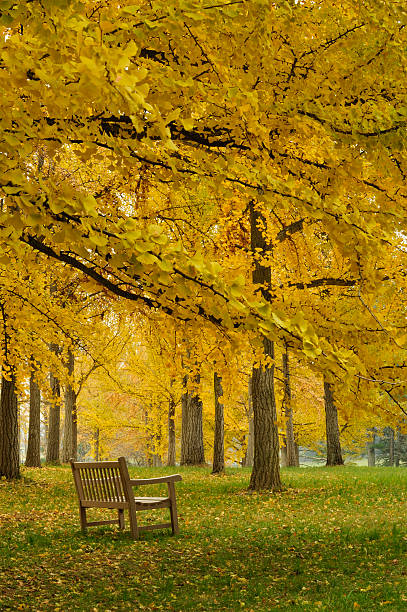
(336, 539)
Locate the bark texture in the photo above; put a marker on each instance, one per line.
(249, 459)
(192, 446)
(156, 460)
(283, 455)
(69, 444)
(333, 445)
(371, 456)
(218, 443)
(266, 465)
(155, 446)
(33, 457)
(171, 433)
(96, 444)
(297, 453)
(9, 432)
(290, 450)
(397, 448)
(54, 422)
(371, 452)
(391, 446)
(75, 430)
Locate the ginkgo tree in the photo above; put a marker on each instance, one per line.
(292, 106)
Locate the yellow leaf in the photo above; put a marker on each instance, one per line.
(147, 258)
(98, 239)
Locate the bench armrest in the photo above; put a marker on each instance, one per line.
(142, 481)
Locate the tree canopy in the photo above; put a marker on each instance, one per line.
(141, 141)
(300, 107)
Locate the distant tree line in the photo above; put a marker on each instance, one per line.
(388, 448)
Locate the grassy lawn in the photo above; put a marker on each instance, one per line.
(336, 539)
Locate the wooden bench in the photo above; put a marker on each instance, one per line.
(107, 484)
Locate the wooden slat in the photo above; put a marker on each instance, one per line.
(89, 478)
(116, 480)
(144, 481)
(103, 484)
(152, 505)
(156, 526)
(109, 484)
(150, 500)
(77, 481)
(94, 480)
(112, 484)
(95, 464)
(82, 484)
(98, 483)
(111, 522)
(91, 485)
(88, 503)
(122, 487)
(85, 481)
(118, 484)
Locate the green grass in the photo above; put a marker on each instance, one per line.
(336, 539)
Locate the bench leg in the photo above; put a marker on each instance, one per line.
(133, 523)
(173, 508)
(121, 518)
(82, 516)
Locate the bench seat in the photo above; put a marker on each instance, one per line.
(107, 484)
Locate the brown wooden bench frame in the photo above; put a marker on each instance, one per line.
(107, 484)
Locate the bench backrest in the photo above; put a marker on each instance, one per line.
(99, 482)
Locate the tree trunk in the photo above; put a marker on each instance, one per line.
(70, 432)
(46, 429)
(297, 454)
(288, 412)
(371, 456)
(391, 446)
(149, 446)
(96, 444)
(249, 459)
(33, 457)
(54, 420)
(171, 433)
(155, 446)
(192, 446)
(218, 444)
(9, 432)
(157, 461)
(75, 428)
(283, 454)
(333, 445)
(68, 444)
(266, 466)
(284, 459)
(397, 448)
(371, 452)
